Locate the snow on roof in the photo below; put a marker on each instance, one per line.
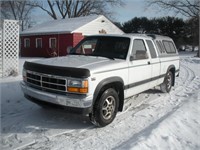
(62, 26)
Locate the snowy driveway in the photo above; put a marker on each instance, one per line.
(150, 120)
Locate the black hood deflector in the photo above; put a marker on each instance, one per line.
(56, 70)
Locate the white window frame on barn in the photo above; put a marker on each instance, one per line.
(26, 45)
(50, 42)
(37, 45)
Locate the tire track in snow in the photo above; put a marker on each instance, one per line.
(188, 81)
(191, 81)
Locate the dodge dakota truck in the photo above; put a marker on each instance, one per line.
(100, 72)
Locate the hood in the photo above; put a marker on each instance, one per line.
(74, 61)
(92, 63)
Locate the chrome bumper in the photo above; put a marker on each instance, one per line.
(69, 100)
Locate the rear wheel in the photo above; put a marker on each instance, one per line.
(105, 109)
(167, 84)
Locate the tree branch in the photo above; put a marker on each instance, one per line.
(53, 14)
(185, 7)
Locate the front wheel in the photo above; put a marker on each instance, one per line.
(167, 84)
(105, 108)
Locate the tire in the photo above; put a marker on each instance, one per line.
(167, 84)
(105, 108)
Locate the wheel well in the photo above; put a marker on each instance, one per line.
(172, 70)
(118, 87)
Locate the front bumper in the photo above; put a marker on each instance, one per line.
(72, 101)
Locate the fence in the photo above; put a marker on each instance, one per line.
(9, 48)
(1, 55)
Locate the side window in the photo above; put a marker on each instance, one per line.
(26, 43)
(152, 49)
(139, 50)
(169, 46)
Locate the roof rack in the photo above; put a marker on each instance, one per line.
(154, 36)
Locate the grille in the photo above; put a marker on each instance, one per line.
(46, 82)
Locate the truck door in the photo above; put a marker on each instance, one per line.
(154, 62)
(139, 68)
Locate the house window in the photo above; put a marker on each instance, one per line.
(38, 43)
(52, 43)
(26, 43)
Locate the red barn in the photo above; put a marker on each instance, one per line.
(55, 37)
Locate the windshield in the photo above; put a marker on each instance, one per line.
(103, 46)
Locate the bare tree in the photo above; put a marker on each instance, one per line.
(77, 8)
(18, 10)
(188, 8)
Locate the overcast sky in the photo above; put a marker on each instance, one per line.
(139, 8)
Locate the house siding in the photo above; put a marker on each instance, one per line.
(97, 25)
(77, 38)
(62, 42)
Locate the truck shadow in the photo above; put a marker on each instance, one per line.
(18, 115)
(39, 119)
(153, 91)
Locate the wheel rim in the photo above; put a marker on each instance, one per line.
(169, 81)
(108, 107)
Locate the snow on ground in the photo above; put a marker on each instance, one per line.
(150, 120)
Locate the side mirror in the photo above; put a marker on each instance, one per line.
(131, 58)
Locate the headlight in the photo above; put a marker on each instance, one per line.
(24, 74)
(77, 86)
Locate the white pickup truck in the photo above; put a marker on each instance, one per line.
(100, 72)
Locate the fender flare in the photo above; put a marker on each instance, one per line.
(171, 67)
(109, 81)
(174, 69)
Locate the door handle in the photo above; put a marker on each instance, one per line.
(148, 63)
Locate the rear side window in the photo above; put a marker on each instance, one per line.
(152, 49)
(160, 46)
(169, 46)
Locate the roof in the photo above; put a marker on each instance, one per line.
(63, 25)
(70, 25)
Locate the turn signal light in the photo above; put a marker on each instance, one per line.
(77, 90)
